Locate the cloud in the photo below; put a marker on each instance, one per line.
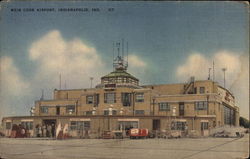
(237, 73)
(51, 55)
(135, 61)
(11, 80)
(195, 65)
(137, 67)
(12, 87)
(74, 60)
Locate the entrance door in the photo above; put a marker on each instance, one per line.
(204, 129)
(181, 109)
(156, 124)
(52, 124)
(57, 110)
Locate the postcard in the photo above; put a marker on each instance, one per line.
(124, 79)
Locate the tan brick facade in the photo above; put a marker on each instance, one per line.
(196, 106)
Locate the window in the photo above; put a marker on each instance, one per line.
(200, 105)
(106, 112)
(126, 125)
(89, 112)
(178, 125)
(195, 90)
(44, 109)
(114, 112)
(229, 116)
(139, 97)
(109, 98)
(139, 112)
(27, 125)
(202, 90)
(204, 125)
(8, 125)
(89, 99)
(96, 100)
(126, 99)
(164, 106)
(79, 125)
(70, 109)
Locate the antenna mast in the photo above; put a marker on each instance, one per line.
(224, 71)
(122, 48)
(213, 72)
(127, 53)
(60, 81)
(113, 54)
(209, 69)
(42, 97)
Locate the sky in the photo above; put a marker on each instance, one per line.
(168, 43)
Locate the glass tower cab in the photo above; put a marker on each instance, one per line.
(119, 77)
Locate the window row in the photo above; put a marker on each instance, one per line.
(114, 112)
(126, 101)
(70, 109)
(80, 125)
(120, 80)
(201, 105)
(126, 98)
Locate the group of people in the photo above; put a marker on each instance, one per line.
(19, 131)
(45, 130)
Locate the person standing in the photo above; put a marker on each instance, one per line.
(44, 130)
(40, 130)
(53, 130)
(49, 129)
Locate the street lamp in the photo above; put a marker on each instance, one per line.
(121, 111)
(32, 111)
(91, 79)
(110, 109)
(94, 111)
(174, 114)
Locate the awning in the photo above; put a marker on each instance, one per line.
(181, 120)
(128, 119)
(204, 120)
(27, 120)
(79, 119)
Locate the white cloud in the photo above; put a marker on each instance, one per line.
(12, 87)
(237, 73)
(137, 67)
(11, 80)
(52, 55)
(135, 61)
(74, 59)
(195, 65)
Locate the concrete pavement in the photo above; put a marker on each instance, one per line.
(205, 148)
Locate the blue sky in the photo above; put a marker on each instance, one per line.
(163, 36)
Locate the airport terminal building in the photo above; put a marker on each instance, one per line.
(119, 102)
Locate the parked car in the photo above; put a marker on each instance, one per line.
(138, 133)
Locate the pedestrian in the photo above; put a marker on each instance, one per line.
(37, 131)
(53, 130)
(40, 130)
(47, 132)
(186, 129)
(49, 129)
(44, 130)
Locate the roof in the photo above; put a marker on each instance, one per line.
(119, 73)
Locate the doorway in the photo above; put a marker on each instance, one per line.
(181, 109)
(156, 124)
(52, 124)
(57, 110)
